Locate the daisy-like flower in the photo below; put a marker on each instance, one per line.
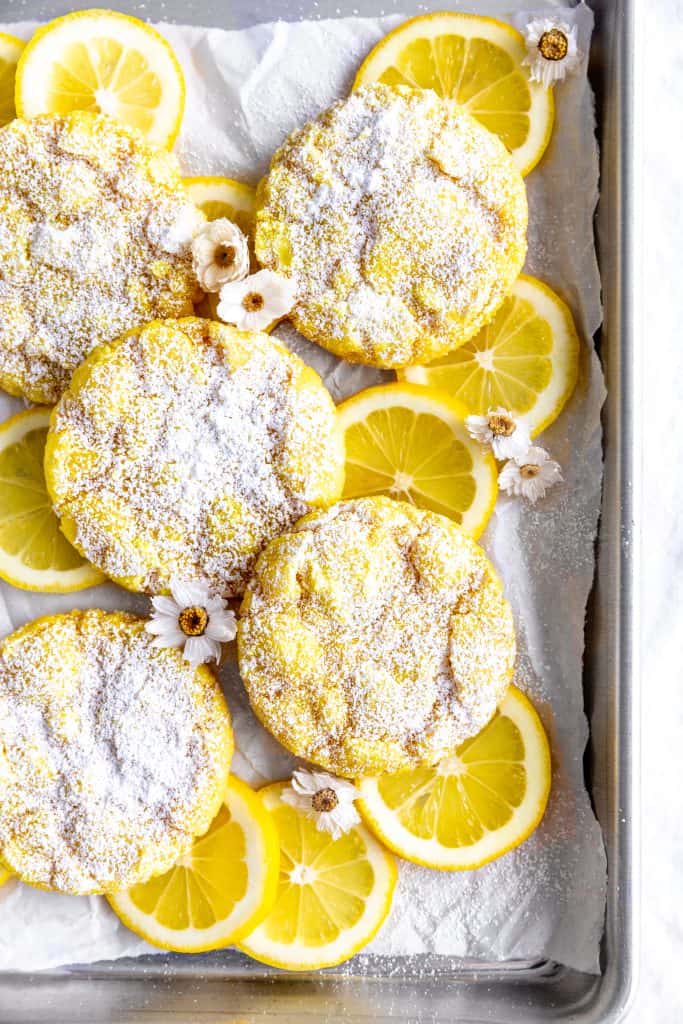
(551, 50)
(255, 302)
(193, 620)
(327, 800)
(501, 432)
(220, 253)
(530, 475)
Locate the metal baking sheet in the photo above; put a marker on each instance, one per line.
(229, 988)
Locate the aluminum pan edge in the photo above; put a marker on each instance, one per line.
(200, 989)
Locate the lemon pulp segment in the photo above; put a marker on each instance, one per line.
(34, 553)
(222, 197)
(477, 62)
(103, 62)
(10, 52)
(412, 443)
(333, 894)
(217, 891)
(526, 360)
(475, 805)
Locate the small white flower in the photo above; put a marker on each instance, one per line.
(193, 620)
(500, 431)
(530, 475)
(220, 253)
(327, 800)
(255, 302)
(552, 50)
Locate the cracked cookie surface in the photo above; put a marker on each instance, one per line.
(180, 450)
(401, 219)
(114, 754)
(95, 236)
(375, 636)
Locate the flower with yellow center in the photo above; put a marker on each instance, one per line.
(530, 475)
(257, 301)
(501, 432)
(220, 254)
(193, 620)
(552, 50)
(324, 798)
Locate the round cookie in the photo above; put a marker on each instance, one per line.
(95, 236)
(375, 636)
(114, 754)
(181, 449)
(401, 219)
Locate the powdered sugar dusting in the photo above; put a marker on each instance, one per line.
(375, 636)
(95, 233)
(188, 447)
(402, 220)
(113, 757)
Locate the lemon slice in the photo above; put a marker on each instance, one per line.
(333, 894)
(218, 891)
(474, 806)
(104, 62)
(526, 360)
(411, 443)
(10, 52)
(476, 61)
(223, 197)
(34, 554)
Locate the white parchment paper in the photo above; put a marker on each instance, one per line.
(246, 91)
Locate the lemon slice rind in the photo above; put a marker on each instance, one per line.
(525, 819)
(47, 49)
(431, 402)
(209, 193)
(262, 857)
(296, 957)
(469, 26)
(10, 51)
(565, 355)
(13, 569)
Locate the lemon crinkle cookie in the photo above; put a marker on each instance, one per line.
(95, 238)
(181, 449)
(375, 636)
(114, 754)
(401, 219)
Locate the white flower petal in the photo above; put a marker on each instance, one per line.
(541, 69)
(189, 593)
(306, 782)
(512, 480)
(211, 273)
(231, 312)
(276, 291)
(517, 444)
(509, 478)
(301, 801)
(162, 625)
(200, 649)
(478, 429)
(222, 626)
(169, 640)
(166, 606)
(258, 320)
